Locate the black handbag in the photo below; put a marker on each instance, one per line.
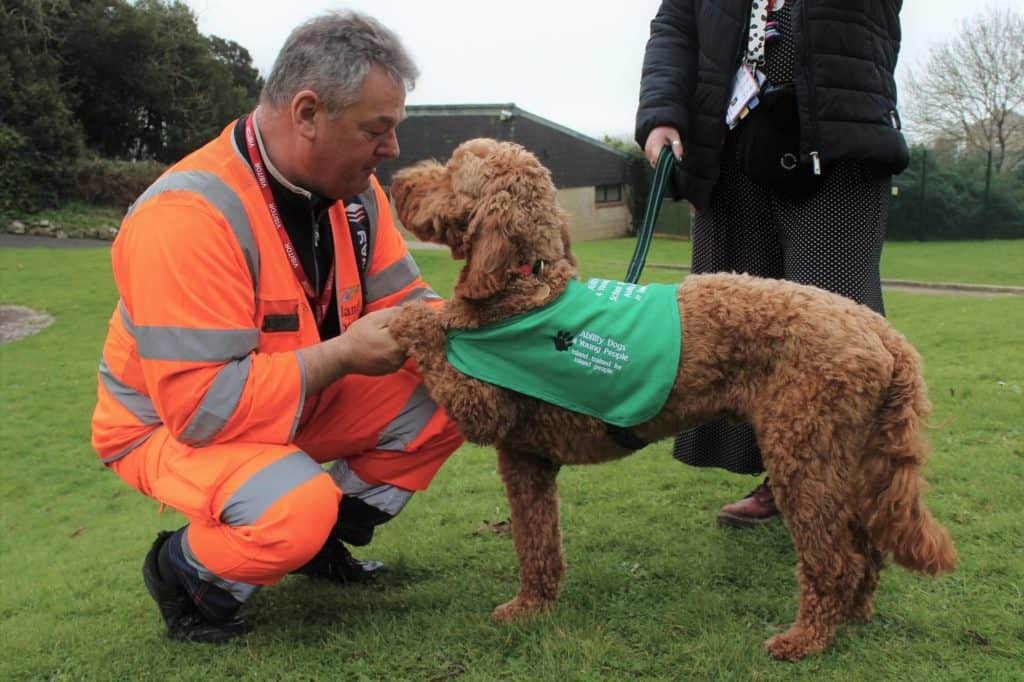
(767, 145)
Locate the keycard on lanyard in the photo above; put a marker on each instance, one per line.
(745, 86)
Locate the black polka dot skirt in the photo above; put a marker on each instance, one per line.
(832, 240)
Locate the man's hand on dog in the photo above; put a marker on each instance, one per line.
(365, 347)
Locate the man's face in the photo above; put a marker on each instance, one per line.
(348, 149)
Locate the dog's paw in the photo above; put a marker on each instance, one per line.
(791, 645)
(862, 613)
(519, 609)
(416, 324)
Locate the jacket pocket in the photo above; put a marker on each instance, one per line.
(280, 315)
(280, 323)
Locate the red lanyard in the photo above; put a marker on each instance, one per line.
(320, 304)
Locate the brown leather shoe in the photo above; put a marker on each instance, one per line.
(753, 510)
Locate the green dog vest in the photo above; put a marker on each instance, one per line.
(604, 348)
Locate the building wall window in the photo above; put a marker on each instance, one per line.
(608, 194)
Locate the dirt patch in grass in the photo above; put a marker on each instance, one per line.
(17, 322)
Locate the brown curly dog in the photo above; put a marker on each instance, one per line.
(835, 394)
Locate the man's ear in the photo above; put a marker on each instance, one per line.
(304, 107)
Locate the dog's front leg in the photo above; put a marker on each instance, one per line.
(483, 411)
(530, 482)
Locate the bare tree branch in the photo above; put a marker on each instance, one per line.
(971, 91)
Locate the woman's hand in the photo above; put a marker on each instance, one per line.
(660, 137)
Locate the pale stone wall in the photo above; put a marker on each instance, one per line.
(589, 220)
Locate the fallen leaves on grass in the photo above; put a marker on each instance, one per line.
(976, 638)
(497, 527)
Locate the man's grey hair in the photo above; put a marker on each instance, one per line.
(331, 55)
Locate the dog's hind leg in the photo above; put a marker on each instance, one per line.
(532, 489)
(863, 606)
(816, 503)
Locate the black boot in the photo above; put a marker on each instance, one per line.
(336, 564)
(357, 521)
(203, 620)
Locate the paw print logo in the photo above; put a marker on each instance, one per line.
(562, 341)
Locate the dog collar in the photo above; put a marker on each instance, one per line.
(536, 269)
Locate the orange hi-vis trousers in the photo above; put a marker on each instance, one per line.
(259, 511)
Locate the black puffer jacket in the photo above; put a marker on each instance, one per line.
(843, 75)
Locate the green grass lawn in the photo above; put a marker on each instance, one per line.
(654, 591)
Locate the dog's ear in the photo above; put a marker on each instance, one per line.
(492, 255)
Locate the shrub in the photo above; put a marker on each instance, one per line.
(29, 180)
(112, 182)
(943, 197)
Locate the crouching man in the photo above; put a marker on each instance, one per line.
(249, 346)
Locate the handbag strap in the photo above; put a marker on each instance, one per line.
(662, 172)
(758, 27)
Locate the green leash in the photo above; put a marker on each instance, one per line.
(662, 172)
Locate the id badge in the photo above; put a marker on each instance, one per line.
(745, 86)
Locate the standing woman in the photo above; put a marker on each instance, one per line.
(796, 185)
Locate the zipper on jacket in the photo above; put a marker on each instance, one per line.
(894, 118)
(811, 99)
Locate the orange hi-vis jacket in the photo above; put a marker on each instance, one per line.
(204, 339)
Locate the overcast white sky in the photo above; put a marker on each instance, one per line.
(574, 62)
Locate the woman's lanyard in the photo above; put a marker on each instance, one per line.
(321, 303)
(746, 84)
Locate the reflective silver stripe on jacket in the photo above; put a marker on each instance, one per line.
(267, 486)
(409, 422)
(420, 294)
(395, 277)
(369, 199)
(217, 193)
(233, 347)
(385, 497)
(191, 345)
(239, 590)
(302, 396)
(133, 401)
(219, 403)
(127, 450)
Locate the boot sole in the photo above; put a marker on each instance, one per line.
(209, 634)
(205, 633)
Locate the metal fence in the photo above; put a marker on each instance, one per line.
(938, 197)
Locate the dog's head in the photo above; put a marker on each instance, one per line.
(492, 204)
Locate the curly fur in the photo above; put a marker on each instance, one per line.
(834, 393)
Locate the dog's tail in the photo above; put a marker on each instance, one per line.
(892, 508)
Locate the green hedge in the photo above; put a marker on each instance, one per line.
(112, 183)
(28, 180)
(944, 198)
(938, 197)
